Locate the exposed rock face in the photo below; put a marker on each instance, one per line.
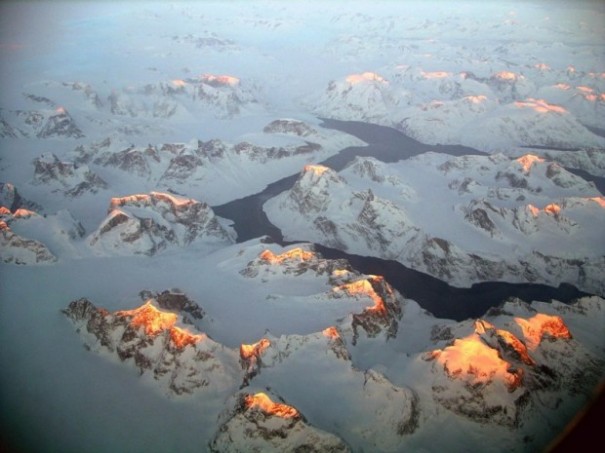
(591, 160)
(73, 179)
(182, 168)
(142, 161)
(288, 126)
(383, 316)
(56, 123)
(151, 339)
(207, 40)
(336, 342)
(497, 200)
(259, 424)
(294, 262)
(320, 192)
(492, 113)
(12, 200)
(375, 170)
(138, 161)
(384, 304)
(148, 223)
(222, 95)
(222, 92)
(176, 302)
(504, 370)
(30, 238)
(527, 219)
(61, 124)
(311, 192)
(509, 85)
(212, 149)
(371, 404)
(15, 249)
(87, 91)
(190, 164)
(251, 358)
(83, 154)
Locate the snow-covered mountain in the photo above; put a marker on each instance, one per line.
(495, 218)
(216, 170)
(42, 123)
(479, 122)
(150, 338)
(222, 96)
(149, 223)
(258, 423)
(70, 178)
(20, 250)
(386, 389)
(591, 160)
(492, 113)
(31, 238)
(265, 344)
(500, 371)
(11, 199)
(366, 96)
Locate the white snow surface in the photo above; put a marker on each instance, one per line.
(106, 100)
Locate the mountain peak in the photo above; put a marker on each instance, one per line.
(219, 80)
(316, 170)
(151, 338)
(354, 79)
(259, 424)
(151, 222)
(150, 318)
(542, 326)
(261, 401)
(296, 254)
(313, 174)
(527, 161)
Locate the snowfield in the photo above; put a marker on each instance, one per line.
(134, 318)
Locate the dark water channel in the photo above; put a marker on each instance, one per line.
(436, 296)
